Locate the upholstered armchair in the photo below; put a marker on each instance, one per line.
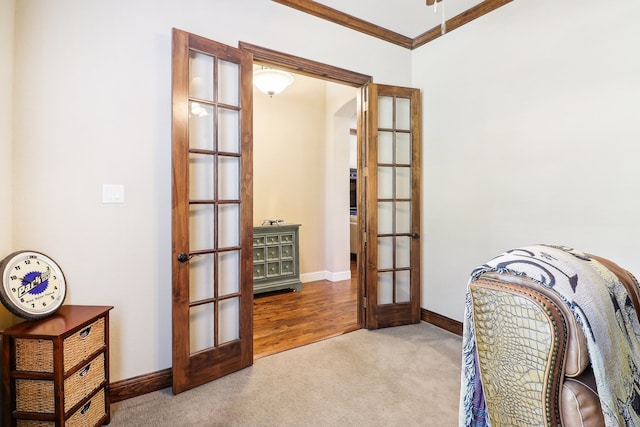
(526, 356)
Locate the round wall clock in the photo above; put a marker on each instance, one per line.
(33, 285)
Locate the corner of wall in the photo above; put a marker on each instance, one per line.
(7, 40)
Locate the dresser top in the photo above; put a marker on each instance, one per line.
(267, 228)
(68, 317)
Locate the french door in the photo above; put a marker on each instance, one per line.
(212, 305)
(389, 163)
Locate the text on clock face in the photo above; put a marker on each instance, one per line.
(29, 284)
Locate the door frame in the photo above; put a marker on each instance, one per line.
(318, 70)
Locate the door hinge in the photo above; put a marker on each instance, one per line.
(364, 237)
(364, 302)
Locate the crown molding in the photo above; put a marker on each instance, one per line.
(337, 17)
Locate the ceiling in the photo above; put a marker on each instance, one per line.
(408, 23)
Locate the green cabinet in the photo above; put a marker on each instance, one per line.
(276, 258)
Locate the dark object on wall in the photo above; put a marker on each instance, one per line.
(353, 192)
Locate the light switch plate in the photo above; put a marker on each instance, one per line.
(112, 193)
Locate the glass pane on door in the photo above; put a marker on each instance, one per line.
(201, 125)
(202, 169)
(202, 233)
(228, 83)
(201, 76)
(200, 274)
(202, 321)
(229, 324)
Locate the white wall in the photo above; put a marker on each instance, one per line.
(7, 13)
(92, 88)
(531, 130)
(340, 111)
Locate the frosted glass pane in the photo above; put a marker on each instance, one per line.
(385, 253)
(385, 182)
(201, 324)
(201, 227)
(385, 217)
(228, 86)
(385, 147)
(200, 76)
(228, 273)
(403, 252)
(403, 148)
(228, 225)
(201, 127)
(201, 177)
(201, 270)
(228, 131)
(403, 183)
(403, 286)
(385, 112)
(403, 113)
(385, 288)
(228, 178)
(229, 320)
(403, 217)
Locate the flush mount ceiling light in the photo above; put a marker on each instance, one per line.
(272, 81)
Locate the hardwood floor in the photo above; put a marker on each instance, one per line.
(285, 320)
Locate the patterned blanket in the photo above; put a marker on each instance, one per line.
(604, 312)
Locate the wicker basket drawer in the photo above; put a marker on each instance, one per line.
(35, 423)
(39, 396)
(35, 396)
(90, 413)
(83, 343)
(34, 355)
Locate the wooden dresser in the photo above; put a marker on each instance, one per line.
(55, 371)
(276, 258)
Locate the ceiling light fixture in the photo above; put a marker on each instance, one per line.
(271, 81)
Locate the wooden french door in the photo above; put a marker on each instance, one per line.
(212, 304)
(389, 164)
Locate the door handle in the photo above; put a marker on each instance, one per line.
(415, 236)
(182, 257)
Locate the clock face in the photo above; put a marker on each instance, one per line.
(33, 285)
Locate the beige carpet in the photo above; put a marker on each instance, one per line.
(402, 376)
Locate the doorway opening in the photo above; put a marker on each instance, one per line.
(342, 293)
(304, 158)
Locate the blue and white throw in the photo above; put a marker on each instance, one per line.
(602, 307)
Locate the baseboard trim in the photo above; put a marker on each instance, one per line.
(325, 275)
(143, 384)
(441, 321)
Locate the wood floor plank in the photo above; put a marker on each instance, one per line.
(320, 310)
